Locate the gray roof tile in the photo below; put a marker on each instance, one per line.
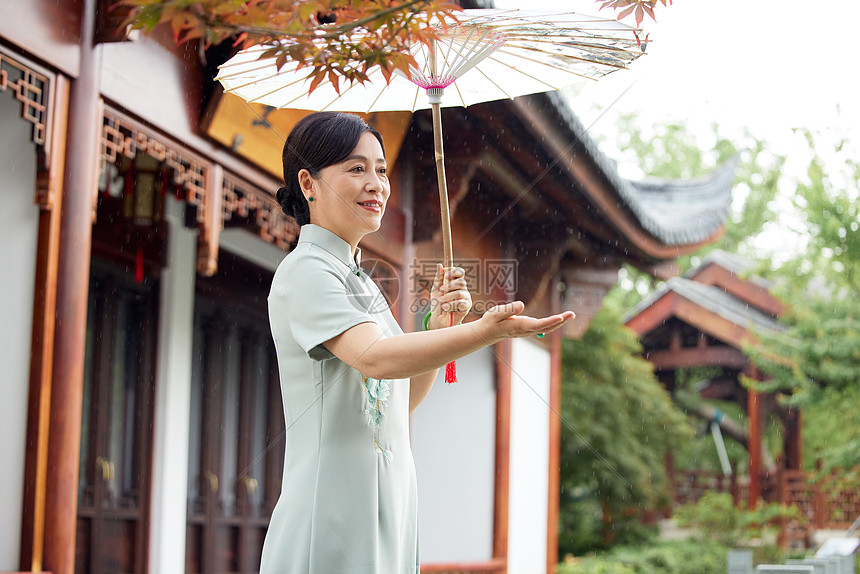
(675, 212)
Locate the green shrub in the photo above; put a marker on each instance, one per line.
(715, 517)
(670, 557)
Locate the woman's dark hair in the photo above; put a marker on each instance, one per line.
(316, 142)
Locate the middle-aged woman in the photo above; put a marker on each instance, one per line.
(349, 375)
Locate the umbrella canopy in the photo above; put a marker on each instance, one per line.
(508, 53)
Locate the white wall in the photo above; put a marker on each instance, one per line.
(453, 442)
(168, 506)
(18, 237)
(250, 247)
(143, 75)
(529, 458)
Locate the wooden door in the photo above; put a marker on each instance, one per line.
(116, 431)
(237, 439)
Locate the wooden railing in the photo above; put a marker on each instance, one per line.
(494, 566)
(823, 503)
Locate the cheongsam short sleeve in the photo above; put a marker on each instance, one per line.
(320, 303)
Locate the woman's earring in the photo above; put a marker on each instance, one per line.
(311, 198)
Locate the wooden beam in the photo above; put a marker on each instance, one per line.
(553, 188)
(723, 388)
(712, 324)
(792, 421)
(210, 232)
(64, 435)
(675, 338)
(712, 356)
(509, 180)
(754, 433)
(657, 314)
(503, 351)
(50, 200)
(494, 566)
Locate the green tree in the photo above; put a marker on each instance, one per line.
(816, 360)
(618, 423)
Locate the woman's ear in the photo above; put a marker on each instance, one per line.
(306, 182)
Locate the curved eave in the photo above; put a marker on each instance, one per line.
(662, 220)
(655, 311)
(682, 212)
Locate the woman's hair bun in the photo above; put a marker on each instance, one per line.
(294, 204)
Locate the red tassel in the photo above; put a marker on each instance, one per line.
(451, 372)
(138, 266)
(451, 368)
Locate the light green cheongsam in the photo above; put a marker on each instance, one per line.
(349, 498)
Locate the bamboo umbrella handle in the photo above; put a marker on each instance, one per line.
(447, 249)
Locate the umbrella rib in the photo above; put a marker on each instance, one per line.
(278, 89)
(489, 79)
(423, 72)
(340, 95)
(415, 100)
(460, 95)
(376, 99)
(259, 80)
(471, 48)
(535, 78)
(471, 59)
(450, 46)
(472, 62)
(245, 71)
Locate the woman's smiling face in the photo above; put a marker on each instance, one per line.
(349, 197)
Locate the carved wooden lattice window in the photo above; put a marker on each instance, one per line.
(248, 206)
(128, 145)
(124, 138)
(32, 89)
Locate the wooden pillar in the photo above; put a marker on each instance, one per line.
(504, 354)
(669, 464)
(50, 200)
(554, 482)
(753, 417)
(793, 439)
(64, 435)
(782, 494)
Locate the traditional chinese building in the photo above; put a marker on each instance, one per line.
(706, 319)
(141, 417)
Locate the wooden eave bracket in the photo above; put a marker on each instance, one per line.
(212, 223)
(37, 91)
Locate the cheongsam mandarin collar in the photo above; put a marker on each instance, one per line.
(331, 242)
